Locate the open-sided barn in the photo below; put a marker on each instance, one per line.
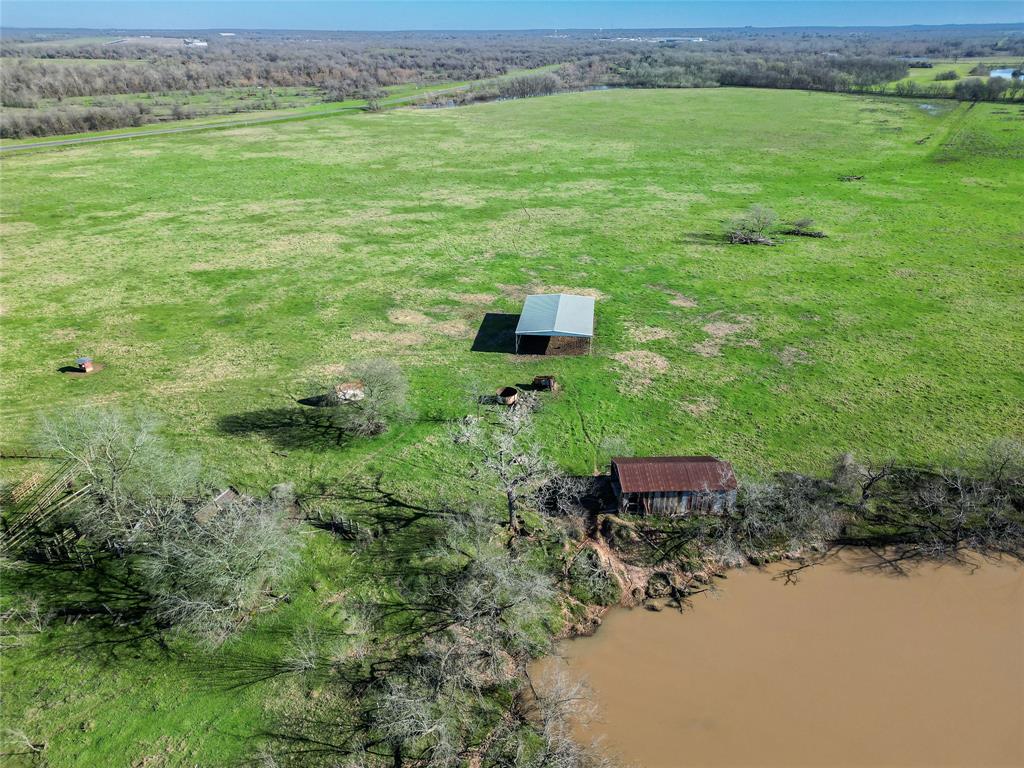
(556, 324)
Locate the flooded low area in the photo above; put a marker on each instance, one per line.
(846, 667)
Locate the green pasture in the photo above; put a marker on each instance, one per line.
(213, 273)
(963, 67)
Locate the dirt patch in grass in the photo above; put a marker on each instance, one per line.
(331, 369)
(645, 333)
(150, 217)
(302, 243)
(642, 361)
(678, 299)
(641, 367)
(474, 298)
(591, 292)
(699, 407)
(719, 334)
(401, 339)
(790, 356)
(520, 292)
(17, 228)
(276, 206)
(456, 329)
(408, 317)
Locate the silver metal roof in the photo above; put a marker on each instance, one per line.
(557, 314)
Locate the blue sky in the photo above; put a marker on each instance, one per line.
(490, 14)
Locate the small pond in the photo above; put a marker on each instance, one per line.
(849, 666)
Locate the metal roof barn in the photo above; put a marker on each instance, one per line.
(659, 474)
(556, 314)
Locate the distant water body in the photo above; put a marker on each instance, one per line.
(506, 14)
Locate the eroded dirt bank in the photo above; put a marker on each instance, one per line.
(847, 667)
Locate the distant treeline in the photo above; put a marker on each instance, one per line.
(38, 77)
(672, 69)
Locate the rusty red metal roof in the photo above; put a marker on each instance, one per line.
(658, 474)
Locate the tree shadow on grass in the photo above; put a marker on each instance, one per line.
(289, 427)
(703, 238)
(243, 665)
(373, 504)
(109, 610)
(393, 531)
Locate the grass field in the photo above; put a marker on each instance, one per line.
(963, 67)
(214, 105)
(211, 273)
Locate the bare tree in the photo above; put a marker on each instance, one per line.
(127, 466)
(207, 575)
(371, 395)
(859, 479)
(753, 227)
(541, 733)
(205, 566)
(436, 687)
(505, 455)
(493, 597)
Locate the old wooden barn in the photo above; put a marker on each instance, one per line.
(673, 485)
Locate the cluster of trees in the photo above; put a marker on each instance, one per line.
(455, 604)
(204, 567)
(669, 68)
(519, 87)
(68, 120)
(344, 68)
(990, 89)
(37, 78)
(969, 89)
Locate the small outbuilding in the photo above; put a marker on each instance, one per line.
(556, 324)
(673, 485)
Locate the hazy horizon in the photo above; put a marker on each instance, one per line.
(487, 15)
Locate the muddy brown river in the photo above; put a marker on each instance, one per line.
(843, 668)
